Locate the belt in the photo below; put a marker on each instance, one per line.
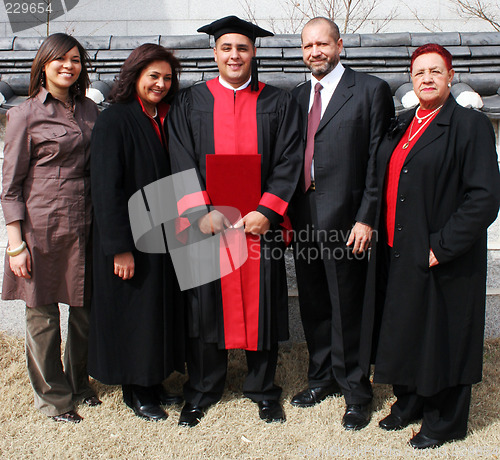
(58, 172)
(313, 185)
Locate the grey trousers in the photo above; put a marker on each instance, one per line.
(56, 388)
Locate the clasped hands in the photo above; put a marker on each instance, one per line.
(254, 223)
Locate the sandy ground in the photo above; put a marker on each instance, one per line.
(232, 428)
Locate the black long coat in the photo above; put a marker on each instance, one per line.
(136, 334)
(431, 325)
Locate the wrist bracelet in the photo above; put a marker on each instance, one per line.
(17, 251)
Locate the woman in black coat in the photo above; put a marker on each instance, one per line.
(136, 337)
(439, 190)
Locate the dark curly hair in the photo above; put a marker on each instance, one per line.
(53, 47)
(124, 88)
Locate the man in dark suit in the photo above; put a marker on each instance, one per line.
(345, 115)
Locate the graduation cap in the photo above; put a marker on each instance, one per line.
(235, 25)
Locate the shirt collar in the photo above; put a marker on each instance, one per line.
(228, 86)
(42, 94)
(331, 79)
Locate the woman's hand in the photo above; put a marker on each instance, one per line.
(124, 265)
(21, 264)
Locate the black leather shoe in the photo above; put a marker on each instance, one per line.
(165, 398)
(270, 411)
(143, 403)
(312, 396)
(392, 423)
(92, 401)
(421, 441)
(191, 415)
(356, 416)
(70, 416)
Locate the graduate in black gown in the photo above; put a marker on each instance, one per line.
(234, 115)
(136, 335)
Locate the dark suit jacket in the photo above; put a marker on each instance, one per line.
(344, 152)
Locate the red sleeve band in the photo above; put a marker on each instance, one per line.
(274, 203)
(192, 200)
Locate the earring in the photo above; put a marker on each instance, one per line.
(42, 78)
(449, 85)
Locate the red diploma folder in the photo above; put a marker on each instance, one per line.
(234, 180)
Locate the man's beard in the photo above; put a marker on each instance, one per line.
(325, 68)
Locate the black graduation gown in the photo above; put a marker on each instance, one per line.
(430, 323)
(136, 332)
(191, 139)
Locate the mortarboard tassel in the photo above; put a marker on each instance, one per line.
(255, 75)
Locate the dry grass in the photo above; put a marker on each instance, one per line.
(231, 429)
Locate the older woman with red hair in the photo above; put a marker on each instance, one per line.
(439, 190)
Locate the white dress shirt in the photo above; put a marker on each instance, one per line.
(228, 86)
(329, 83)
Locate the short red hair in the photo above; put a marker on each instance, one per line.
(432, 48)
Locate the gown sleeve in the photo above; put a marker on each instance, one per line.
(287, 165)
(191, 192)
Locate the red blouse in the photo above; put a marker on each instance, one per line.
(162, 109)
(395, 166)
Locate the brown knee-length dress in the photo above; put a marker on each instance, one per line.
(46, 186)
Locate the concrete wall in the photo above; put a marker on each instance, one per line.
(493, 282)
(183, 17)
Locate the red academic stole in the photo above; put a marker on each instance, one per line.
(235, 181)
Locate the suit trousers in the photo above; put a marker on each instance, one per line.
(207, 369)
(56, 388)
(331, 283)
(444, 415)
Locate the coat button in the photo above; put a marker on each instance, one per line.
(399, 227)
(402, 198)
(396, 254)
(405, 170)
